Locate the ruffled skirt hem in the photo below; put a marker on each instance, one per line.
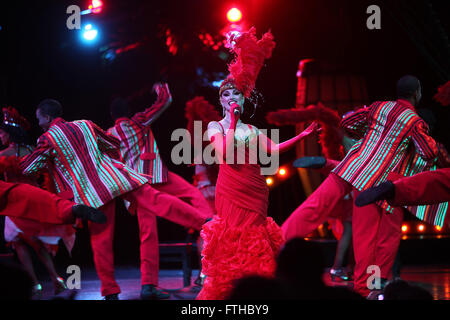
(232, 252)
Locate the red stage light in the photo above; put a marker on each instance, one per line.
(234, 15)
(404, 228)
(421, 227)
(438, 228)
(282, 171)
(269, 181)
(96, 6)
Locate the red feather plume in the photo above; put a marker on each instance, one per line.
(250, 55)
(443, 94)
(11, 115)
(331, 136)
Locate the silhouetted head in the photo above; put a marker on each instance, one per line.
(402, 290)
(46, 111)
(119, 108)
(300, 262)
(408, 88)
(16, 283)
(258, 288)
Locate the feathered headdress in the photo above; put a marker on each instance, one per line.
(443, 94)
(198, 109)
(250, 54)
(330, 138)
(12, 118)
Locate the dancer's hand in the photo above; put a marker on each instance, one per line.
(313, 127)
(163, 92)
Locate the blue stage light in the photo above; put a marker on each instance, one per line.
(89, 33)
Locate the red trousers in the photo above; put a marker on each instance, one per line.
(193, 200)
(376, 238)
(148, 203)
(28, 202)
(376, 234)
(429, 187)
(328, 200)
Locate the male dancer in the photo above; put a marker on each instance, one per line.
(140, 152)
(83, 163)
(386, 129)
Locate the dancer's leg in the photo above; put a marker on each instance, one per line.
(343, 245)
(24, 256)
(102, 239)
(180, 188)
(366, 222)
(388, 241)
(28, 202)
(165, 206)
(149, 248)
(314, 210)
(424, 188)
(429, 187)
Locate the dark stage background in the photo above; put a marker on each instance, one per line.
(40, 58)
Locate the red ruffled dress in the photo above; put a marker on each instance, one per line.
(241, 240)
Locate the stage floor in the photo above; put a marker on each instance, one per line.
(435, 279)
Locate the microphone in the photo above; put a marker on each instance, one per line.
(236, 111)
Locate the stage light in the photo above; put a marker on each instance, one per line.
(269, 181)
(217, 83)
(96, 6)
(282, 172)
(421, 227)
(89, 33)
(438, 228)
(234, 15)
(404, 228)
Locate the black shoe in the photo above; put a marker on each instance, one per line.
(200, 280)
(384, 191)
(114, 296)
(310, 162)
(85, 212)
(150, 292)
(339, 274)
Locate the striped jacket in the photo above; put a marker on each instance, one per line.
(385, 129)
(138, 146)
(82, 159)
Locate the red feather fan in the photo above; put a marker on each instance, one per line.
(443, 94)
(331, 136)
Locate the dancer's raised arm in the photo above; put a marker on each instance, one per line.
(272, 147)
